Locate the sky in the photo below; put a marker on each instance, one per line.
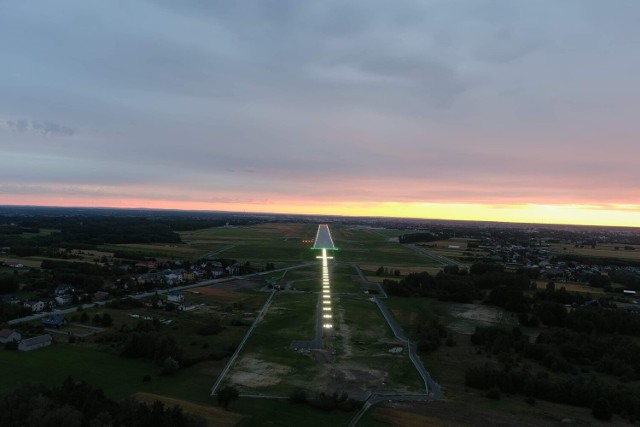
(459, 109)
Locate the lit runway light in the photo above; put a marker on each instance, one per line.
(324, 241)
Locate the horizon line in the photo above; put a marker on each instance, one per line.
(361, 216)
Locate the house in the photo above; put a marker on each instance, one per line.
(171, 279)
(188, 276)
(36, 306)
(49, 303)
(29, 344)
(100, 296)
(233, 269)
(64, 289)
(55, 321)
(217, 272)
(62, 300)
(8, 335)
(10, 299)
(175, 296)
(187, 307)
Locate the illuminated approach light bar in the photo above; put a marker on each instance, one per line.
(324, 241)
(323, 238)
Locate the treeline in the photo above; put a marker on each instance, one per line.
(596, 260)
(76, 404)
(147, 341)
(82, 275)
(12, 311)
(562, 351)
(453, 284)
(445, 287)
(87, 232)
(425, 237)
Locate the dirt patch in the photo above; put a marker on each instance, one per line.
(345, 331)
(348, 378)
(252, 372)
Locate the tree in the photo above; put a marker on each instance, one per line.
(298, 395)
(169, 366)
(227, 395)
(106, 320)
(8, 284)
(601, 409)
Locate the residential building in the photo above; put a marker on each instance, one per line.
(175, 296)
(55, 321)
(64, 289)
(36, 306)
(29, 344)
(8, 335)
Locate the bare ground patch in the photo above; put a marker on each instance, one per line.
(252, 372)
(350, 378)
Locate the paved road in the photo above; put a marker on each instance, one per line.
(233, 358)
(436, 257)
(156, 292)
(366, 281)
(432, 389)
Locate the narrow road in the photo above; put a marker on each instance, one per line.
(233, 358)
(432, 388)
(142, 295)
(436, 257)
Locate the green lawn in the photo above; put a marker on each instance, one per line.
(117, 376)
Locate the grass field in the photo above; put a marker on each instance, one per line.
(373, 246)
(118, 377)
(601, 250)
(572, 287)
(357, 356)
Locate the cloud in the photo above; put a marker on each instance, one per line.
(46, 128)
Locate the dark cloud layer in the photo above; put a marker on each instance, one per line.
(424, 100)
(43, 128)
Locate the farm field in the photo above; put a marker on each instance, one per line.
(601, 250)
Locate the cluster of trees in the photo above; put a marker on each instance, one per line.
(324, 401)
(603, 399)
(596, 260)
(8, 283)
(446, 287)
(384, 271)
(75, 404)
(563, 351)
(425, 237)
(430, 334)
(147, 342)
(82, 275)
(12, 311)
(454, 284)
